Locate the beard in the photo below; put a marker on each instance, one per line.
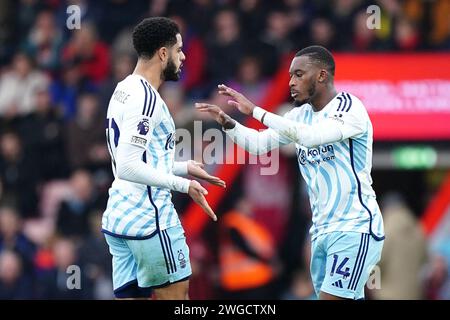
(170, 73)
(311, 92)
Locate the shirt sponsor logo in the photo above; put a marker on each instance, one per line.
(316, 155)
(170, 142)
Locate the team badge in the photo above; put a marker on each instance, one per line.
(181, 259)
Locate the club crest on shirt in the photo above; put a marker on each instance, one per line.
(143, 126)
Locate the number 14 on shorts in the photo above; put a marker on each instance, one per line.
(340, 269)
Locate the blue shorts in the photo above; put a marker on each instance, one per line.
(341, 262)
(149, 263)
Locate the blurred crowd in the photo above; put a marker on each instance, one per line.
(55, 85)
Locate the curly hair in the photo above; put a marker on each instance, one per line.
(153, 33)
(319, 55)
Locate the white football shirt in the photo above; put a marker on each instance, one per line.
(337, 174)
(138, 116)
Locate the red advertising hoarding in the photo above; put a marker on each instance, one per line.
(407, 95)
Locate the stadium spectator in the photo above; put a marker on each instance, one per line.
(224, 47)
(269, 195)
(14, 284)
(247, 256)
(85, 136)
(73, 219)
(205, 274)
(249, 78)
(44, 42)
(323, 33)
(406, 36)
(252, 14)
(275, 41)
(112, 16)
(42, 134)
(60, 281)
(95, 258)
(66, 88)
(92, 54)
(437, 279)
(13, 238)
(193, 68)
(301, 287)
(18, 87)
(439, 33)
(18, 174)
(404, 253)
(364, 39)
(199, 14)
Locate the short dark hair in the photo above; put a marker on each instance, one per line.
(320, 55)
(153, 33)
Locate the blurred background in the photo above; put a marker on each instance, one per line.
(55, 85)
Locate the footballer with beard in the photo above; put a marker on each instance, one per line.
(333, 136)
(140, 223)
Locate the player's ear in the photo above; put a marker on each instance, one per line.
(163, 54)
(323, 76)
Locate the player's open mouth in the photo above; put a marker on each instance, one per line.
(294, 94)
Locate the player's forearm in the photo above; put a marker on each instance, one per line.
(251, 140)
(130, 167)
(305, 135)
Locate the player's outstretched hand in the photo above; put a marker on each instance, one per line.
(217, 114)
(196, 170)
(237, 99)
(198, 193)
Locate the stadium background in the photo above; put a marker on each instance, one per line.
(55, 85)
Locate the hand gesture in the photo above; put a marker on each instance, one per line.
(198, 193)
(196, 170)
(217, 114)
(238, 99)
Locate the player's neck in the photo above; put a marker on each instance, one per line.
(149, 72)
(321, 100)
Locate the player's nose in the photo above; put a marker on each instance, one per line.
(291, 82)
